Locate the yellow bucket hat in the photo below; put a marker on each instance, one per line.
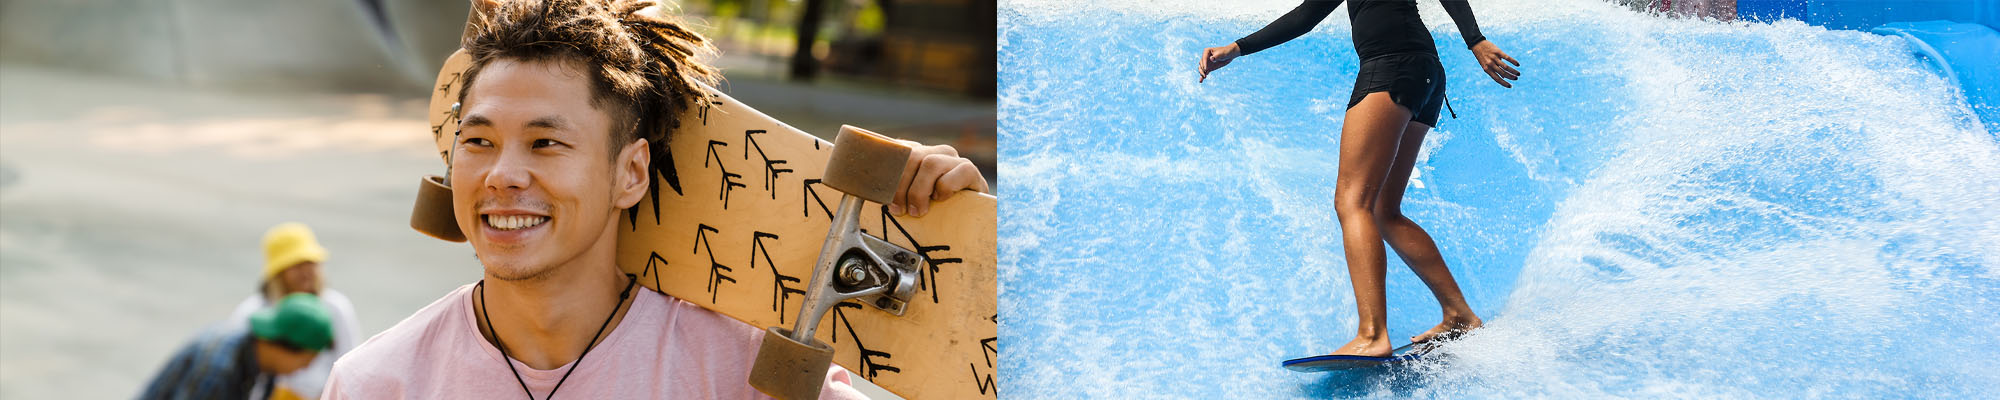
(289, 244)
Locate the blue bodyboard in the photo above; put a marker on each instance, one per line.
(1330, 363)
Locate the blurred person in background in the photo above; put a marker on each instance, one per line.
(292, 257)
(228, 360)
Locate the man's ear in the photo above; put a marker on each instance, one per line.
(634, 166)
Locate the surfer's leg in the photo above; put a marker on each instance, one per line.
(1413, 244)
(1368, 141)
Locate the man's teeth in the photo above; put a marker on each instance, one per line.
(512, 222)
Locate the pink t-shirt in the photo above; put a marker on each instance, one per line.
(665, 348)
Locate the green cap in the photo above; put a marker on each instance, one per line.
(297, 320)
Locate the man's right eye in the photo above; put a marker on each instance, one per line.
(481, 142)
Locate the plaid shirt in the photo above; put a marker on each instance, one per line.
(219, 363)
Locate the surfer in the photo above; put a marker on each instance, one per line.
(566, 103)
(1397, 95)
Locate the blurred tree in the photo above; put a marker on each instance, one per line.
(804, 65)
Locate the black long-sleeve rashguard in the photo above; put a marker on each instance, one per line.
(1381, 27)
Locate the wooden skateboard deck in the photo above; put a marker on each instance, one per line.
(736, 219)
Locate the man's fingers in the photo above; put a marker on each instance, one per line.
(933, 166)
(957, 175)
(898, 205)
(965, 176)
(1510, 59)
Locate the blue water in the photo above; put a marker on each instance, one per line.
(1660, 208)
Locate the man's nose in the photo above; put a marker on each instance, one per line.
(510, 170)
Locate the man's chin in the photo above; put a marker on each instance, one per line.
(515, 270)
(511, 262)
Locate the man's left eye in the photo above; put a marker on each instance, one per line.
(541, 143)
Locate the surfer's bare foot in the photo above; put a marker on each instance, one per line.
(1450, 328)
(1366, 346)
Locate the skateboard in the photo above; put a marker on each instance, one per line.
(771, 226)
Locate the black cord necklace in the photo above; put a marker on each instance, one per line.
(630, 280)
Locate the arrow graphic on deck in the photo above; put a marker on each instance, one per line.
(655, 265)
(985, 381)
(779, 292)
(706, 105)
(437, 131)
(933, 262)
(728, 179)
(715, 269)
(663, 169)
(869, 367)
(446, 86)
(991, 351)
(809, 193)
(771, 170)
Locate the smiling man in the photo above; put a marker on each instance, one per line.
(565, 104)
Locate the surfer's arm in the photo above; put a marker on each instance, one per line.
(1461, 15)
(1491, 59)
(1290, 26)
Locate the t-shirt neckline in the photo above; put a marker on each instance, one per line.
(548, 376)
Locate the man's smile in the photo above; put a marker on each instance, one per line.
(505, 225)
(513, 222)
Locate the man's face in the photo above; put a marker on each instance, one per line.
(533, 182)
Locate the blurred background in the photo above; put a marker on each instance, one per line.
(145, 146)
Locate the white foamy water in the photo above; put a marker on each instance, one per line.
(1660, 208)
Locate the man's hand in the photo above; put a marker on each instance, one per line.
(1490, 57)
(934, 173)
(1215, 58)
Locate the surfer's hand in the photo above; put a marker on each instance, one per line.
(934, 173)
(1490, 59)
(1215, 58)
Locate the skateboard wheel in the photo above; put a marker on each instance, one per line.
(433, 215)
(786, 369)
(866, 164)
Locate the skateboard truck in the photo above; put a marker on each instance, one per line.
(433, 214)
(852, 265)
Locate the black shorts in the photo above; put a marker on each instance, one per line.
(1413, 80)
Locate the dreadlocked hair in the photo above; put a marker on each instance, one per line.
(644, 66)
